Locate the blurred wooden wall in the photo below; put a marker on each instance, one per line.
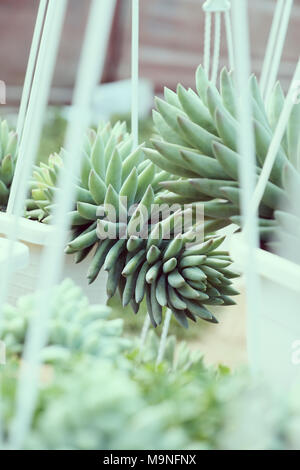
(172, 33)
(171, 43)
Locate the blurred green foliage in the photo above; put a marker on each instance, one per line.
(53, 134)
(55, 128)
(110, 395)
(95, 395)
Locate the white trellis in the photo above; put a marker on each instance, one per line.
(32, 123)
(216, 8)
(37, 84)
(31, 65)
(275, 46)
(89, 72)
(34, 109)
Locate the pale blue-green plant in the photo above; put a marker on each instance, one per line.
(117, 398)
(75, 325)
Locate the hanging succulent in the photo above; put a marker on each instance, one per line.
(198, 138)
(144, 255)
(98, 150)
(8, 156)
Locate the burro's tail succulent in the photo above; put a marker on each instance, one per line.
(198, 142)
(142, 246)
(8, 156)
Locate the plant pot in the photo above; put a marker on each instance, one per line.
(35, 236)
(278, 325)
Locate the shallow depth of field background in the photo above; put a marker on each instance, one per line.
(171, 47)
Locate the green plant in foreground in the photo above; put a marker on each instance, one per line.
(91, 403)
(177, 356)
(114, 397)
(101, 398)
(8, 157)
(99, 406)
(143, 259)
(198, 142)
(74, 326)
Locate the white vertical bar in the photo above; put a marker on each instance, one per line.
(33, 122)
(37, 104)
(207, 42)
(90, 70)
(227, 18)
(135, 72)
(217, 42)
(144, 333)
(247, 173)
(271, 46)
(164, 335)
(274, 66)
(31, 65)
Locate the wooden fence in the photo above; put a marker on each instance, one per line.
(171, 42)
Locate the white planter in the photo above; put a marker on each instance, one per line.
(278, 326)
(19, 256)
(35, 235)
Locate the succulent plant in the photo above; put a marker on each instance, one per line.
(43, 186)
(144, 255)
(86, 402)
(158, 265)
(96, 405)
(98, 150)
(89, 402)
(74, 326)
(88, 395)
(198, 141)
(8, 156)
(86, 398)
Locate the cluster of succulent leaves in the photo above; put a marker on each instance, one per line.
(198, 141)
(145, 257)
(8, 155)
